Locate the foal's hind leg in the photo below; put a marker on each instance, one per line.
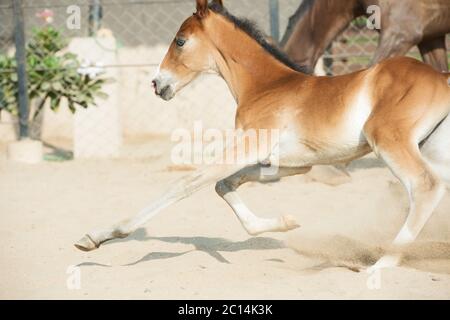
(424, 188)
(437, 150)
(251, 223)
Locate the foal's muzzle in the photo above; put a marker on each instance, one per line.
(165, 92)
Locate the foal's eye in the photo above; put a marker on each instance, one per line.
(180, 42)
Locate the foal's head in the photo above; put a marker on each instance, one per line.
(189, 54)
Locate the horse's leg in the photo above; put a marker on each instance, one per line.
(434, 52)
(437, 150)
(183, 188)
(393, 43)
(425, 189)
(251, 223)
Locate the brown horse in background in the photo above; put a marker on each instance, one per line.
(404, 24)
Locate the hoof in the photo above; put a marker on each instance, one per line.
(86, 244)
(290, 223)
(281, 224)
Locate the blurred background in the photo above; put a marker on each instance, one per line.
(125, 40)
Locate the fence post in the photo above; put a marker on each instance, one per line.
(274, 10)
(19, 37)
(95, 17)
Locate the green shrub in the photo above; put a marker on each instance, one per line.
(52, 76)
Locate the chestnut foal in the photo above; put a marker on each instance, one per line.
(398, 109)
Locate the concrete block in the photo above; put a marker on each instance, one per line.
(25, 151)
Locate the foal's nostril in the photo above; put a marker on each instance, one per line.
(155, 86)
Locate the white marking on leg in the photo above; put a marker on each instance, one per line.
(437, 150)
(389, 261)
(404, 237)
(253, 224)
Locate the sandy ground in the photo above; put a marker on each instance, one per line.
(197, 248)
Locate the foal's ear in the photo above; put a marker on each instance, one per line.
(202, 8)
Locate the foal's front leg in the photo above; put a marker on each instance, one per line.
(253, 224)
(185, 187)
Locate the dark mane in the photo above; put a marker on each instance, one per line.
(249, 27)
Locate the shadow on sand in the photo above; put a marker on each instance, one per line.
(211, 246)
(331, 252)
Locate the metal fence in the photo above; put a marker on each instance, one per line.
(142, 29)
(133, 22)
